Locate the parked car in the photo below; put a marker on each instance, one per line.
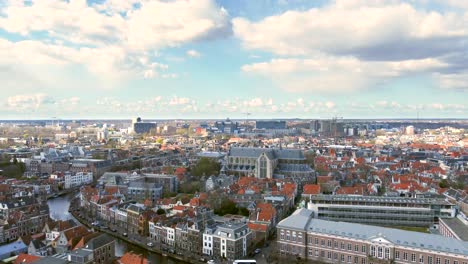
(124, 234)
(211, 261)
(150, 244)
(257, 251)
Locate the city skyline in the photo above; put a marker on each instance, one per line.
(200, 59)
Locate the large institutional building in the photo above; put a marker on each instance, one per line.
(268, 163)
(381, 210)
(303, 236)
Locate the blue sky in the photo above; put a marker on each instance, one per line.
(217, 59)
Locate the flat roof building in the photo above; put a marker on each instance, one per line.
(381, 210)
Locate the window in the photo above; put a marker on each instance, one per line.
(329, 255)
(349, 246)
(437, 260)
(421, 258)
(455, 262)
(329, 243)
(342, 245)
(405, 256)
(363, 249)
(310, 240)
(342, 258)
(282, 236)
(316, 252)
(310, 252)
(356, 248)
(372, 250)
(322, 253)
(397, 254)
(322, 242)
(316, 241)
(336, 244)
(349, 259)
(356, 260)
(335, 256)
(429, 260)
(379, 252)
(363, 261)
(387, 253)
(447, 261)
(413, 257)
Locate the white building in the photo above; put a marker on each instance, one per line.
(78, 179)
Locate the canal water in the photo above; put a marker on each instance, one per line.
(58, 210)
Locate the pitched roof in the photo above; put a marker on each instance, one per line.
(131, 258)
(311, 189)
(24, 258)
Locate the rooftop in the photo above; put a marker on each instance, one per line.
(302, 220)
(457, 226)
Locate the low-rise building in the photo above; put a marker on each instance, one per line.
(301, 235)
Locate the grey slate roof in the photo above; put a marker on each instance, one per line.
(99, 241)
(271, 153)
(457, 226)
(299, 221)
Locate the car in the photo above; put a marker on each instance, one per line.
(257, 251)
(124, 234)
(103, 227)
(113, 229)
(96, 223)
(150, 244)
(211, 261)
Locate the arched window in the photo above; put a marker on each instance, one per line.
(379, 252)
(262, 167)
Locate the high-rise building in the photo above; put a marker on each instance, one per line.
(140, 127)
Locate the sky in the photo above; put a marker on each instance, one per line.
(180, 59)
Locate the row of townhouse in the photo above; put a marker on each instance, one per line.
(198, 233)
(22, 217)
(301, 235)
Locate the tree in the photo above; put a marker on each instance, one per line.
(206, 166)
(443, 183)
(160, 211)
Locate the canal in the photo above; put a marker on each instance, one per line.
(58, 210)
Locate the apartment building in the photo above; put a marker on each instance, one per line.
(381, 210)
(77, 179)
(303, 236)
(230, 241)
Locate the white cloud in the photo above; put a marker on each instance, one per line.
(193, 53)
(332, 74)
(367, 31)
(27, 101)
(114, 40)
(355, 44)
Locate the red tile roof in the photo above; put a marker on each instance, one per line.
(311, 189)
(131, 258)
(26, 259)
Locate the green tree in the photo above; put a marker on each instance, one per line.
(160, 211)
(444, 183)
(206, 166)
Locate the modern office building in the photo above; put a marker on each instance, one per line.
(268, 163)
(270, 124)
(141, 190)
(227, 127)
(140, 127)
(301, 235)
(381, 210)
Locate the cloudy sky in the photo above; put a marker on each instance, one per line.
(224, 58)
